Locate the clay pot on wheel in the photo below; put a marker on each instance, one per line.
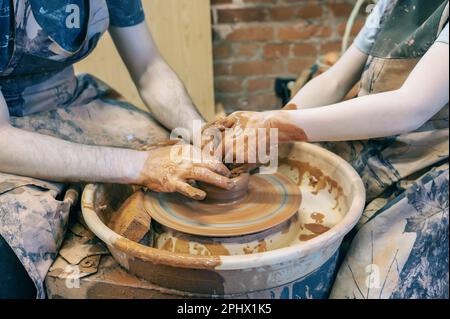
(277, 237)
(220, 196)
(256, 203)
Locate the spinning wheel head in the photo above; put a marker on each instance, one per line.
(269, 201)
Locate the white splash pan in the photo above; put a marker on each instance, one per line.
(242, 274)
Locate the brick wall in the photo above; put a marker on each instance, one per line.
(256, 41)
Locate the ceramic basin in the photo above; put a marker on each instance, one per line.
(333, 198)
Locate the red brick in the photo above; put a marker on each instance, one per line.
(256, 41)
(276, 51)
(259, 84)
(310, 11)
(324, 32)
(228, 86)
(257, 68)
(222, 69)
(262, 102)
(241, 15)
(357, 26)
(256, 102)
(341, 9)
(245, 49)
(263, 33)
(282, 13)
(335, 46)
(228, 101)
(297, 66)
(303, 31)
(222, 51)
(301, 50)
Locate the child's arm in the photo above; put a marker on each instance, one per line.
(335, 83)
(423, 94)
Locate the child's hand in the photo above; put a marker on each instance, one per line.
(244, 133)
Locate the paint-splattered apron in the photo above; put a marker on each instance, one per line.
(44, 96)
(400, 249)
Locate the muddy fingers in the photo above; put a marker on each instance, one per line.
(207, 176)
(216, 167)
(189, 191)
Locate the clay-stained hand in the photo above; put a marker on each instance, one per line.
(170, 169)
(240, 135)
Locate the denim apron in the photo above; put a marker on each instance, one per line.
(400, 249)
(44, 96)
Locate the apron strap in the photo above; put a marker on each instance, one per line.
(444, 20)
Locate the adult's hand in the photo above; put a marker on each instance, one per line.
(170, 168)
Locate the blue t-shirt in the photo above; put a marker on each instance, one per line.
(66, 21)
(58, 30)
(125, 13)
(63, 20)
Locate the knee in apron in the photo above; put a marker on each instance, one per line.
(32, 222)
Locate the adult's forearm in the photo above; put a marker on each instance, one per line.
(160, 87)
(40, 156)
(166, 97)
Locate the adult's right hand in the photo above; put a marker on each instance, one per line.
(170, 168)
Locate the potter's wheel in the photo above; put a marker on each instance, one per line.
(269, 201)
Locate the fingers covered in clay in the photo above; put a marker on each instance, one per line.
(207, 176)
(243, 134)
(215, 166)
(213, 133)
(168, 169)
(189, 191)
(220, 124)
